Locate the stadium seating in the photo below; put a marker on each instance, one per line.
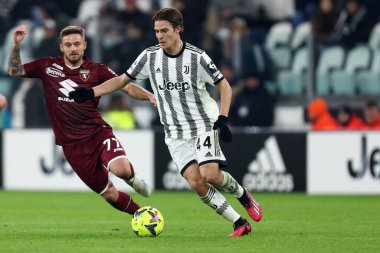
(343, 81)
(300, 35)
(291, 82)
(368, 81)
(374, 38)
(331, 58)
(277, 44)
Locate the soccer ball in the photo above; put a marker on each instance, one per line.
(147, 222)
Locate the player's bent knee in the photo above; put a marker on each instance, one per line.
(197, 183)
(208, 175)
(211, 175)
(121, 168)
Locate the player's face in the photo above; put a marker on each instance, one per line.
(167, 36)
(371, 114)
(72, 46)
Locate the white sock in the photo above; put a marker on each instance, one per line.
(219, 203)
(231, 185)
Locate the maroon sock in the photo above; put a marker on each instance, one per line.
(125, 203)
(132, 171)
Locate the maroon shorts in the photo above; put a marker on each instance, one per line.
(90, 159)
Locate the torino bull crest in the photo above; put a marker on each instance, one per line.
(84, 74)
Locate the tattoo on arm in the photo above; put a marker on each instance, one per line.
(15, 67)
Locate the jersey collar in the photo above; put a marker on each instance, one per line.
(179, 53)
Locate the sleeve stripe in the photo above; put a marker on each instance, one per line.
(132, 77)
(220, 79)
(140, 65)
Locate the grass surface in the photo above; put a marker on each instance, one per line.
(83, 222)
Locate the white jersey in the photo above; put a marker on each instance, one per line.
(179, 83)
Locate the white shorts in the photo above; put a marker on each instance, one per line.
(202, 149)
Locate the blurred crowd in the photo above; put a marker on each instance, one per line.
(232, 32)
(344, 118)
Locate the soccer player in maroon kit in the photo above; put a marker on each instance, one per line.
(87, 140)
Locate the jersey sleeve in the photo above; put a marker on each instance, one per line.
(106, 73)
(209, 73)
(33, 69)
(139, 69)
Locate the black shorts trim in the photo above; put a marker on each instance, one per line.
(221, 163)
(187, 166)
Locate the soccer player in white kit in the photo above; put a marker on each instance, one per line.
(178, 73)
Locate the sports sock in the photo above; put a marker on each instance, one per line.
(239, 222)
(244, 200)
(132, 171)
(231, 185)
(125, 203)
(219, 203)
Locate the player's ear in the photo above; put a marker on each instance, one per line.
(61, 47)
(85, 45)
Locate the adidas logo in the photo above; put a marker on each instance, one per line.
(158, 70)
(268, 172)
(172, 180)
(208, 154)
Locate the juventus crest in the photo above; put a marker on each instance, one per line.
(186, 69)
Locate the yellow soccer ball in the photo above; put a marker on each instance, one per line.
(147, 222)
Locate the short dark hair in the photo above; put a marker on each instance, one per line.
(72, 29)
(172, 15)
(346, 108)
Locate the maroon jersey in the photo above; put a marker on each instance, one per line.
(71, 122)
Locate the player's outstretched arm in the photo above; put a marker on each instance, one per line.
(15, 67)
(83, 94)
(140, 93)
(111, 85)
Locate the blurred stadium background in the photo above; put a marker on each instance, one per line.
(278, 55)
(295, 49)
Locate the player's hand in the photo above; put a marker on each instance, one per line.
(82, 94)
(152, 100)
(19, 34)
(224, 130)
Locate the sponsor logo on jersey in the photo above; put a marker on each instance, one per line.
(179, 86)
(57, 66)
(84, 74)
(212, 66)
(54, 72)
(214, 70)
(268, 172)
(67, 86)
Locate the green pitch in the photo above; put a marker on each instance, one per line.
(83, 222)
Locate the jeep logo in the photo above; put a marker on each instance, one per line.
(372, 163)
(179, 86)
